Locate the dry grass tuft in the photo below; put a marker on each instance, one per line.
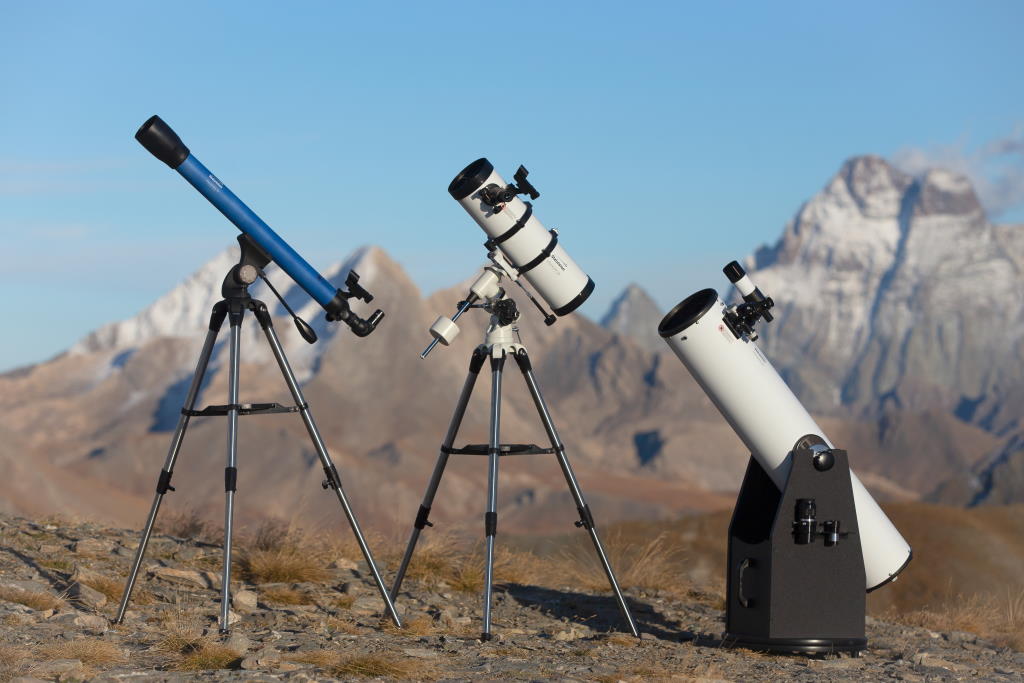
(341, 625)
(341, 602)
(37, 600)
(283, 595)
(366, 666)
(89, 651)
(999, 619)
(209, 655)
(190, 525)
(417, 626)
(14, 661)
(190, 650)
(620, 639)
(281, 553)
(654, 565)
(183, 633)
(443, 560)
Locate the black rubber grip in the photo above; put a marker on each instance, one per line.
(421, 517)
(230, 478)
(490, 523)
(163, 484)
(585, 517)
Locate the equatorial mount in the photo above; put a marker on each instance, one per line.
(487, 294)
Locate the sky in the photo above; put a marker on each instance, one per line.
(665, 138)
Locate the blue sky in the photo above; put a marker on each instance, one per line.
(665, 138)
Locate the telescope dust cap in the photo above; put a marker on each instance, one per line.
(162, 142)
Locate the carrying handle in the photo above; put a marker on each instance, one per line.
(746, 564)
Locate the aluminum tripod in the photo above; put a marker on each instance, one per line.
(499, 344)
(233, 307)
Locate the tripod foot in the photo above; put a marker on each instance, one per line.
(486, 637)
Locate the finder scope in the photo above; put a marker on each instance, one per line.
(165, 145)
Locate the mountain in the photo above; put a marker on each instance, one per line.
(634, 314)
(896, 297)
(105, 411)
(886, 288)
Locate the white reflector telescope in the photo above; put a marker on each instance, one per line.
(715, 343)
(527, 245)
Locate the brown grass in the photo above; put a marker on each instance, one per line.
(190, 650)
(183, 632)
(999, 619)
(653, 565)
(441, 560)
(417, 626)
(90, 651)
(337, 664)
(341, 625)
(190, 525)
(281, 553)
(209, 655)
(282, 595)
(14, 661)
(37, 600)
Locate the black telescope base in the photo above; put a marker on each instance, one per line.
(796, 646)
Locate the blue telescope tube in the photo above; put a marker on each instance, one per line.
(164, 143)
(235, 210)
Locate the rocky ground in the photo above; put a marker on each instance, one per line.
(301, 612)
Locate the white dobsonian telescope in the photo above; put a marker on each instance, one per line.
(716, 344)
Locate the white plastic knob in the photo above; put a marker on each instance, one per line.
(444, 330)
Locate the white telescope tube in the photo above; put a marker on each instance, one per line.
(767, 416)
(531, 248)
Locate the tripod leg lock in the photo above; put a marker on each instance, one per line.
(490, 523)
(586, 520)
(523, 361)
(421, 518)
(333, 480)
(476, 361)
(163, 484)
(230, 479)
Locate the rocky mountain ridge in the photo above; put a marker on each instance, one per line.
(895, 294)
(645, 440)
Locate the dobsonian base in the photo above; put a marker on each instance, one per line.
(494, 450)
(793, 591)
(234, 308)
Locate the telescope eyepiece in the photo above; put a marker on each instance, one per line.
(734, 271)
(363, 328)
(162, 142)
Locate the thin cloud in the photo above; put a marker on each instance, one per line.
(19, 177)
(996, 168)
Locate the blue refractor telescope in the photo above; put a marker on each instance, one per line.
(165, 145)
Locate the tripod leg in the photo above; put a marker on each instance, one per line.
(586, 519)
(230, 471)
(475, 363)
(333, 480)
(491, 516)
(164, 482)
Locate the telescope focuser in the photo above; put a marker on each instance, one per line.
(338, 308)
(497, 196)
(740, 319)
